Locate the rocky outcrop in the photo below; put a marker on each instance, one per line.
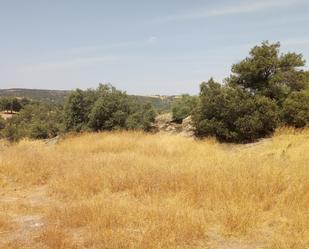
(52, 141)
(187, 127)
(165, 123)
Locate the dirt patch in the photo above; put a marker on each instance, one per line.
(6, 115)
(24, 209)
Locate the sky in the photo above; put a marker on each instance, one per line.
(140, 46)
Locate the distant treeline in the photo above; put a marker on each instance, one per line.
(266, 90)
(54, 96)
(104, 108)
(60, 96)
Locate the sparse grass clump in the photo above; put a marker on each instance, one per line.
(136, 190)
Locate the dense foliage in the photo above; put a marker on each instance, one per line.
(183, 107)
(265, 90)
(296, 109)
(271, 74)
(106, 108)
(46, 96)
(11, 104)
(2, 124)
(233, 114)
(35, 121)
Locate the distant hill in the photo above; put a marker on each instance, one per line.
(58, 96)
(161, 103)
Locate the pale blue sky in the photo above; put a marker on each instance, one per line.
(143, 47)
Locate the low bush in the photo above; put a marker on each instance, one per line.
(295, 110)
(232, 114)
(183, 107)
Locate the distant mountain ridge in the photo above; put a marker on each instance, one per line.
(57, 96)
(161, 102)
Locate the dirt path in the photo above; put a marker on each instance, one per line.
(23, 212)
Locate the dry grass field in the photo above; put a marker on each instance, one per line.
(135, 190)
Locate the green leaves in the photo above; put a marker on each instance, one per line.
(106, 108)
(232, 114)
(266, 72)
(295, 110)
(183, 107)
(262, 86)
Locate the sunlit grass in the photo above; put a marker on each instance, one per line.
(135, 190)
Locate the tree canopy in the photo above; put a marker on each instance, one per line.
(232, 114)
(269, 73)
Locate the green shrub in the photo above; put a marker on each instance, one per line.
(106, 108)
(34, 121)
(141, 119)
(269, 73)
(11, 131)
(77, 109)
(183, 107)
(295, 110)
(2, 126)
(13, 104)
(232, 114)
(110, 110)
(38, 130)
(2, 123)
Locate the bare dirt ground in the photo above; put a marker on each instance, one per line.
(5, 115)
(22, 210)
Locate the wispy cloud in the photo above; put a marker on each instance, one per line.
(240, 8)
(68, 63)
(296, 41)
(152, 39)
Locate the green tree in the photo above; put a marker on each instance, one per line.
(267, 72)
(110, 110)
(183, 107)
(35, 121)
(295, 110)
(24, 101)
(77, 109)
(38, 130)
(15, 105)
(232, 114)
(2, 123)
(10, 104)
(4, 104)
(106, 108)
(11, 132)
(141, 118)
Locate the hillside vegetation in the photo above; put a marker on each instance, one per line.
(59, 97)
(265, 91)
(136, 190)
(56, 96)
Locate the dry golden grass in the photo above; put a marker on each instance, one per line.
(135, 190)
(5, 223)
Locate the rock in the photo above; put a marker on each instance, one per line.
(164, 118)
(52, 141)
(165, 123)
(187, 124)
(187, 127)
